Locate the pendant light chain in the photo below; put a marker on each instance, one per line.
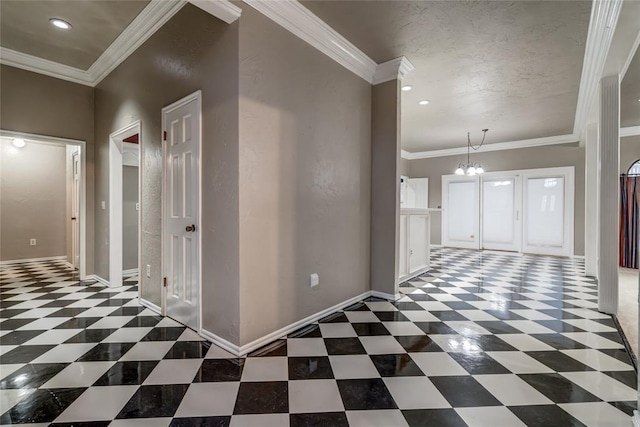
(471, 168)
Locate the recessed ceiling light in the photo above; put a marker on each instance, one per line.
(59, 23)
(423, 102)
(19, 143)
(407, 88)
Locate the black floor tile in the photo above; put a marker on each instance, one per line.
(78, 323)
(24, 353)
(558, 361)
(143, 322)
(438, 328)
(128, 311)
(334, 318)
(154, 401)
(127, 373)
(559, 326)
(188, 350)
(106, 351)
(395, 365)
(68, 312)
(391, 316)
(479, 363)
(628, 378)
(324, 419)
(370, 329)
(262, 398)
(559, 342)
(558, 388)
(41, 406)
(498, 327)
(11, 324)
(545, 416)
(7, 313)
(90, 335)
(163, 334)
(626, 407)
(308, 368)
(31, 375)
(449, 316)
(433, 417)
(310, 331)
(201, 422)
(418, 343)
(342, 346)
(215, 370)
(18, 337)
(276, 348)
(365, 394)
(464, 391)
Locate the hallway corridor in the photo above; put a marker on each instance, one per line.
(483, 339)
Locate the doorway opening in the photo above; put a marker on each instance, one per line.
(124, 203)
(30, 241)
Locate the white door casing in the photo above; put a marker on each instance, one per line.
(181, 242)
(75, 208)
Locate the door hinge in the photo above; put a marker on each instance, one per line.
(164, 135)
(164, 282)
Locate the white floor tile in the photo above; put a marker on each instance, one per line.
(490, 416)
(298, 347)
(456, 343)
(376, 418)
(597, 360)
(510, 390)
(524, 342)
(8, 398)
(174, 371)
(261, 420)
(420, 316)
(65, 353)
(141, 422)
(403, 328)
(79, 374)
(477, 315)
(381, 306)
(519, 362)
(382, 345)
(361, 317)
(98, 404)
(310, 396)
(415, 393)
(111, 322)
(148, 350)
(44, 324)
(600, 414)
(209, 399)
(438, 364)
(529, 327)
(127, 335)
(337, 330)
(53, 336)
(353, 366)
(602, 385)
(265, 369)
(467, 328)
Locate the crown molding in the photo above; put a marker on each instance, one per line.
(629, 131)
(394, 69)
(152, 17)
(43, 66)
(499, 146)
(602, 25)
(222, 9)
(300, 21)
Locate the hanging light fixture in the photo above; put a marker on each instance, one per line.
(470, 168)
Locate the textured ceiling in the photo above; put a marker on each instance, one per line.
(25, 27)
(630, 94)
(512, 67)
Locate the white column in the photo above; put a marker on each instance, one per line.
(609, 189)
(591, 201)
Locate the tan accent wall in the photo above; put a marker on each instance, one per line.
(33, 188)
(192, 51)
(305, 164)
(43, 105)
(525, 158)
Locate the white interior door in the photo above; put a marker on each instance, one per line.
(75, 209)
(548, 213)
(461, 215)
(501, 228)
(181, 122)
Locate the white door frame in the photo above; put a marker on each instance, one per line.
(44, 139)
(196, 96)
(75, 201)
(115, 201)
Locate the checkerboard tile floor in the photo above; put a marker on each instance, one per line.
(483, 339)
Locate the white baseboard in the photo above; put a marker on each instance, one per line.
(385, 295)
(97, 279)
(151, 306)
(221, 342)
(578, 257)
(435, 246)
(635, 420)
(130, 272)
(68, 264)
(25, 260)
(262, 341)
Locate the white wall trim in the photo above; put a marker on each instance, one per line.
(220, 342)
(152, 18)
(98, 279)
(511, 145)
(151, 306)
(26, 260)
(35, 64)
(394, 69)
(629, 131)
(300, 21)
(384, 295)
(602, 25)
(222, 9)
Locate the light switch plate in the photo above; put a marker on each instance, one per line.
(103, 205)
(314, 280)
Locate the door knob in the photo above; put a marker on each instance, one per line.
(191, 228)
(73, 218)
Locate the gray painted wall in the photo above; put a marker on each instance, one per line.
(43, 105)
(305, 164)
(33, 186)
(525, 158)
(192, 51)
(129, 217)
(629, 152)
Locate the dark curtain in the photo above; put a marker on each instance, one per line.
(629, 213)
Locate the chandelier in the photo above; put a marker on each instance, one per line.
(470, 168)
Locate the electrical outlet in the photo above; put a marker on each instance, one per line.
(103, 205)
(314, 280)
(137, 206)
(32, 242)
(148, 270)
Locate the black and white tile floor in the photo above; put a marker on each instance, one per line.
(481, 340)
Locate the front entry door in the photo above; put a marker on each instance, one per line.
(181, 122)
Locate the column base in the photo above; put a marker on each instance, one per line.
(636, 419)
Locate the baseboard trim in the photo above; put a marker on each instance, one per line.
(151, 306)
(636, 419)
(220, 342)
(25, 260)
(68, 264)
(130, 272)
(625, 342)
(384, 295)
(578, 257)
(98, 279)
